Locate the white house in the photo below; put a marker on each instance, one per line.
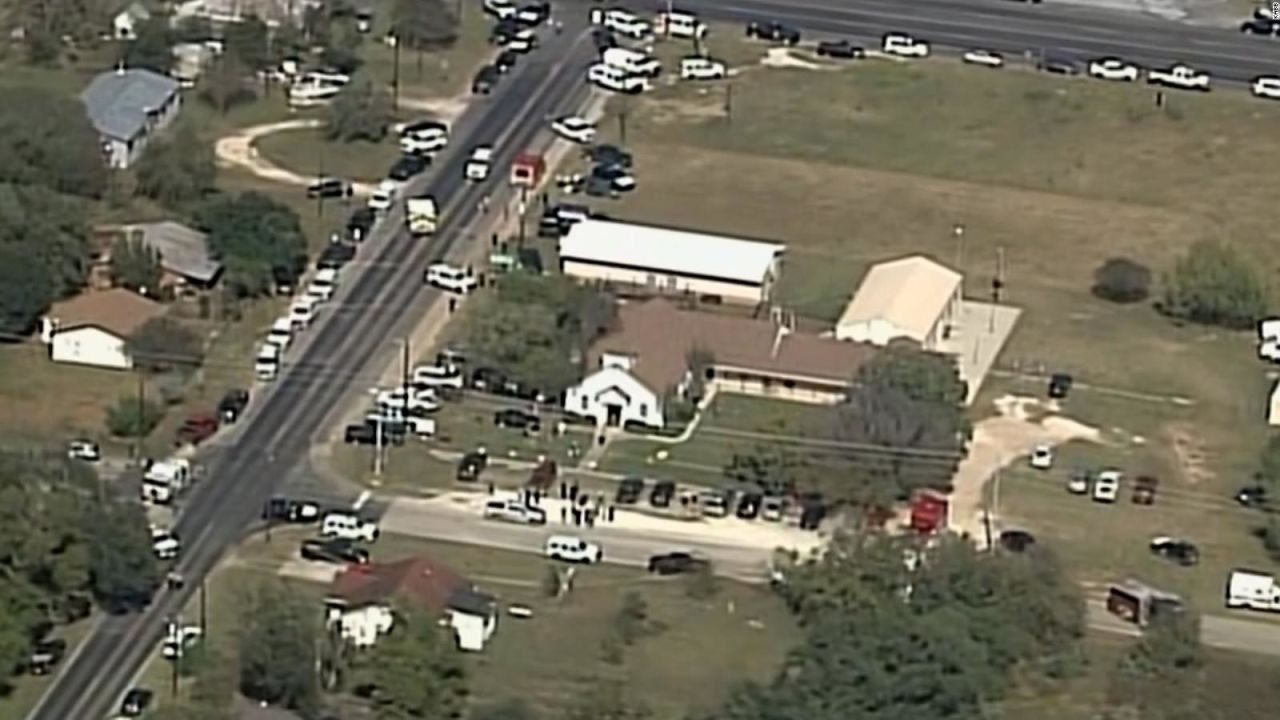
(648, 359)
(128, 108)
(124, 26)
(93, 328)
(361, 602)
(912, 297)
(655, 260)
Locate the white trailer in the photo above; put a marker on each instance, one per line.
(421, 215)
(1253, 591)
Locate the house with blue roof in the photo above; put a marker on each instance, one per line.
(128, 108)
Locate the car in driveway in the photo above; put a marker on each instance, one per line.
(329, 188)
(985, 58)
(773, 32)
(1113, 68)
(1182, 552)
(839, 50)
(1042, 456)
(676, 563)
(335, 550)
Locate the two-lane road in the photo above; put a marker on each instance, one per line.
(385, 296)
(1015, 29)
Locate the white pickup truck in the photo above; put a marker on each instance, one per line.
(1179, 76)
(165, 480)
(421, 216)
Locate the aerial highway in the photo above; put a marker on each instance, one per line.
(389, 294)
(1017, 29)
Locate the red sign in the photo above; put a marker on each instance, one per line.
(527, 170)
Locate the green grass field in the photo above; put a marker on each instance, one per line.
(45, 402)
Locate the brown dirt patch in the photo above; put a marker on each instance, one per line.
(1193, 458)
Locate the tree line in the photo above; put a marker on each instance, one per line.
(66, 541)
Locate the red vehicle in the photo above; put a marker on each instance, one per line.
(197, 428)
(930, 512)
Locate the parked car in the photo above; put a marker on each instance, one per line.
(1059, 66)
(407, 166)
(1252, 496)
(485, 80)
(471, 465)
(1112, 68)
(749, 505)
(608, 155)
(629, 491)
(45, 655)
(86, 450)
(1016, 540)
(514, 511)
(1106, 487)
(702, 68)
(773, 507)
(985, 58)
(1144, 490)
(179, 639)
(1078, 482)
(1182, 552)
(197, 428)
(424, 126)
(573, 549)
(337, 550)
(574, 128)
(506, 61)
(233, 404)
(619, 178)
(1042, 456)
(603, 39)
(360, 223)
(348, 526)
(329, 188)
(662, 493)
(292, 511)
(840, 49)
(903, 45)
(773, 32)
(813, 510)
(451, 278)
(1060, 385)
(675, 563)
(136, 702)
(517, 419)
(335, 256)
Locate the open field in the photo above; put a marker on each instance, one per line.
(553, 658)
(439, 73)
(856, 165)
(46, 401)
(310, 153)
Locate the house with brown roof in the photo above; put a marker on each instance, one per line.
(648, 357)
(93, 328)
(362, 600)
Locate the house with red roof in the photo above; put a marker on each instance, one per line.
(362, 600)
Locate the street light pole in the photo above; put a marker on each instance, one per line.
(395, 74)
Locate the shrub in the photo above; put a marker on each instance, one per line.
(132, 417)
(1215, 285)
(1122, 280)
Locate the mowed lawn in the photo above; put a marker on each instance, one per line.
(882, 159)
(43, 401)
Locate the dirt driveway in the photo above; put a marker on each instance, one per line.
(1000, 441)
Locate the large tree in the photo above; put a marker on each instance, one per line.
(424, 24)
(1216, 285)
(1160, 675)
(247, 41)
(121, 561)
(178, 169)
(152, 48)
(46, 139)
(224, 85)
(44, 252)
(415, 672)
(360, 112)
(277, 646)
(905, 420)
(135, 265)
(163, 343)
(259, 239)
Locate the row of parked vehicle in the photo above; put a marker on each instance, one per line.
(302, 312)
(515, 30)
(806, 510)
(407, 410)
(632, 70)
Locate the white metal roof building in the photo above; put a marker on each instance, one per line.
(912, 297)
(663, 260)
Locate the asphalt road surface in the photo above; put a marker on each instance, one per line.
(1218, 631)
(1014, 29)
(382, 297)
(733, 557)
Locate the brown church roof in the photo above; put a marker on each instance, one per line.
(660, 337)
(418, 579)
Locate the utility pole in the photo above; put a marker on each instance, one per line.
(997, 287)
(395, 74)
(204, 609)
(319, 188)
(377, 447)
(142, 414)
(524, 206)
(728, 102)
(175, 634)
(404, 370)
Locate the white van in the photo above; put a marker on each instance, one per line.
(680, 25)
(702, 68)
(904, 45)
(383, 196)
(281, 332)
(632, 61)
(616, 79)
(323, 285)
(348, 526)
(303, 311)
(1253, 590)
(573, 549)
(267, 365)
(621, 22)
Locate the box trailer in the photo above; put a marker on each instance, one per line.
(1253, 590)
(1136, 602)
(421, 216)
